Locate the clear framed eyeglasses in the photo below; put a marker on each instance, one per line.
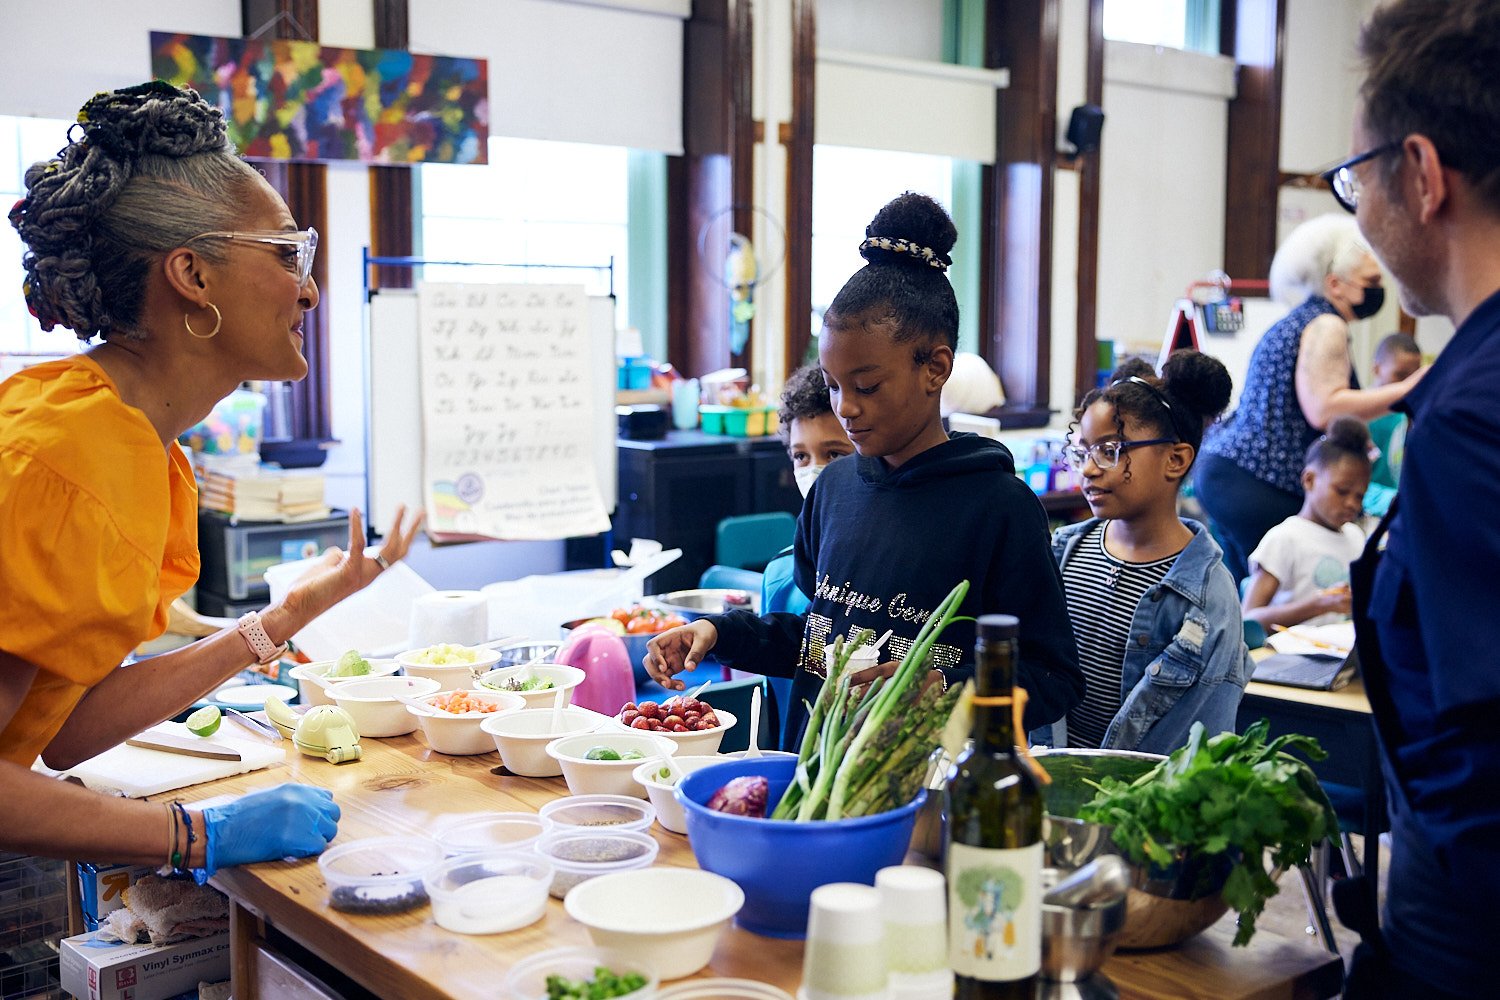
(305, 241)
(1345, 183)
(1106, 454)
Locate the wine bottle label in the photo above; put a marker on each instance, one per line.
(995, 912)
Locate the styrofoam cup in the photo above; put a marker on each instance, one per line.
(844, 958)
(914, 907)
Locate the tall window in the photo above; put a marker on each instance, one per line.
(849, 186)
(537, 203)
(1174, 24)
(23, 141)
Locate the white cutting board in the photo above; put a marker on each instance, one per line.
(137, 772)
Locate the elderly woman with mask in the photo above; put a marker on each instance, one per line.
(1301, 377)
(148, 232)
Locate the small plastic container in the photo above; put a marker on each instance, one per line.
(578, 857)
(379, 875)
(723, 989)
(591, 813)
(489, 893)
(488, 833)
(528, 977)
(712, 415)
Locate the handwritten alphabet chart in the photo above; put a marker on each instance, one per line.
(507, 411)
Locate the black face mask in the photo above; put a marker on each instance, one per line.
(1374, 299)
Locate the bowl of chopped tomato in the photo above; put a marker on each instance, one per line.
(450, 719)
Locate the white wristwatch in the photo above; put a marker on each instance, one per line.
(261, 647)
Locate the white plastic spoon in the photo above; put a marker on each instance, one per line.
(754, 749)
(557, 707)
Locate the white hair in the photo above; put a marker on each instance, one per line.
(972, 388)
(1328, 244)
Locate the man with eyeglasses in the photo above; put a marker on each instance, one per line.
(1424, 184)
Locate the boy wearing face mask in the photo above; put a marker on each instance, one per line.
(814, 438)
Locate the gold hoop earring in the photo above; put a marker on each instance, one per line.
(218, 322)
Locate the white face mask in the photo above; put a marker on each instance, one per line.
(805, 476)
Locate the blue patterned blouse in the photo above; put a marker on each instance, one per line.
(1268, 435)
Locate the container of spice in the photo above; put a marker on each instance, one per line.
(379, 875)
(579, 813)
(579, 855)
(489, 893)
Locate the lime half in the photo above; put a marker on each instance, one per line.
(205, 721)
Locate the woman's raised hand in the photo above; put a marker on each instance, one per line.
(337, 573)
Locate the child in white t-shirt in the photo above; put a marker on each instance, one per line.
(1299, 574)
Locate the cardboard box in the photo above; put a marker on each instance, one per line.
(94, 970)
(101, 888)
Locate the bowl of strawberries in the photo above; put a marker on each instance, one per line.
(695, 726)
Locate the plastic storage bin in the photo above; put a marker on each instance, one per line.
(33, 918)
(237, 554)
(739, 421)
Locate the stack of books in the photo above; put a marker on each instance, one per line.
(251, 492)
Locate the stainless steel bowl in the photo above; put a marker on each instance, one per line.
(1077, 940)
(526, 650)
(693, 604)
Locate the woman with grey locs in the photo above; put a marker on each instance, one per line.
(147, 231)
(1249, 476)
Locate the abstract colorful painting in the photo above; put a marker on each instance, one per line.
(291, 100)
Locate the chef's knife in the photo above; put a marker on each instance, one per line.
(179, 744)
(253, 724)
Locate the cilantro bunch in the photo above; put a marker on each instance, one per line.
(606, 983)
(1233, 795)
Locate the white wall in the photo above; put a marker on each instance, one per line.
(1161, 217)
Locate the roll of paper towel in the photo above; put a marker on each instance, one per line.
(456, 616)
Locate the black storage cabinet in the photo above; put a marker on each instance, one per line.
(678, 489)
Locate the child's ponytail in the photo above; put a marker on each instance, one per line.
(1347, 437)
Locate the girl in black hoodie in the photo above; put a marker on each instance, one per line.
(886, 533)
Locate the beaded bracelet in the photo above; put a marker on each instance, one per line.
(180, 861)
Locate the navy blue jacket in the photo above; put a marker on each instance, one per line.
(880, 548)
(1433, 668)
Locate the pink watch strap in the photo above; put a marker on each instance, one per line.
(261, 646)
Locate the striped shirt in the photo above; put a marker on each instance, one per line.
(1103, 593)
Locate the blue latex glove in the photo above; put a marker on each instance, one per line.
(285, 821)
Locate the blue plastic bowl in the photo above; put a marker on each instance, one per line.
(779, 863)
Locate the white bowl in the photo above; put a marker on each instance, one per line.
(312, 692)
(373, 706)
(607, 777)
(668, 810)
(528, 977)
(489, 893)
(703, 741)
(452, 676)
(668, 917)
(522, 738)
(459, 734)
(562, 676)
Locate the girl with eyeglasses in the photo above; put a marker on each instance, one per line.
(149, 232)
(886, 533)
(1153, 608)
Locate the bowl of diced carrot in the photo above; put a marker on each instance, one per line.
(450, 719)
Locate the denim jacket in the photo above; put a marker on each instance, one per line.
(1186, 659)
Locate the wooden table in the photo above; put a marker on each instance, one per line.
(402, 787)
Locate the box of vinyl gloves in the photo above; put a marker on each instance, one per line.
(96, 970)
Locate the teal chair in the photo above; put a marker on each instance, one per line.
(734, 697)
(752, 540)
(730, 578)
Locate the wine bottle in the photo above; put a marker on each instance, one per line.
(993, 851)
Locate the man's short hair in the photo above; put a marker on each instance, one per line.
(1432, 67)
